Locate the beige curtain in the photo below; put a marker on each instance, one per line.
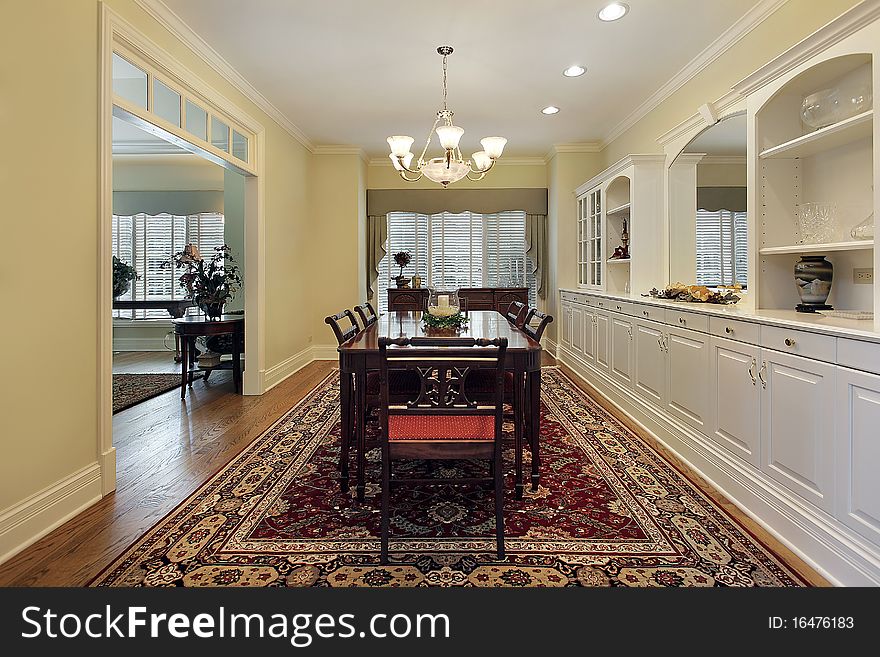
(377, 235)
(536, 248)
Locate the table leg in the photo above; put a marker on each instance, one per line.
(345, 416)
(177, 348)
(184, 362)
(360, 390)
(518, 407)
(236, 362)
(192, 359)
(534, 384)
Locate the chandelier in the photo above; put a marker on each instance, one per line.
(451, 167)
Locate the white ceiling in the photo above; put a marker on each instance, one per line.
(353, 72)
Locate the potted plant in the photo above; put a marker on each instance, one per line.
(123, 275)
(209, 283)
(402, 258)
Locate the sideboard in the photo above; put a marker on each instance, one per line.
(477, 298)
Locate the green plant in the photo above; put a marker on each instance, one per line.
(209, 283)
(402, 259)
(123, 275)
(456, 321)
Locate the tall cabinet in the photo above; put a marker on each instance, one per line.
(628, 193)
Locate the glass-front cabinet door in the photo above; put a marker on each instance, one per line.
(589, 239)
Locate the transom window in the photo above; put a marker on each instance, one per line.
(454, 250)
(147, 243)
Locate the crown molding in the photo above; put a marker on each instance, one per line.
(339, 149)
(162, 14)
(826, 36)
(724, 159)
(723, 106)
(617, 167)
(730, 37)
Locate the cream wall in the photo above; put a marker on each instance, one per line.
(58, 87)
(795, 20)
(721, 175)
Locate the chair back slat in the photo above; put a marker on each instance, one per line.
(367, 314)
(343, 335)
(516, 313)
(536, 330)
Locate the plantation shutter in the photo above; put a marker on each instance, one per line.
(722, 247)
(407, 231)
(506, 263)
(456, 250)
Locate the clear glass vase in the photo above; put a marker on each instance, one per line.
(817, 222)
(443, 303)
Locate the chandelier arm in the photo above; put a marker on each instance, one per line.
(479, 177)
(417, 178)
(428, 141)
(488, 168)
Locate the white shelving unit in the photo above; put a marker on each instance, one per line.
(856, 245)
(827, 138)
(621, 209)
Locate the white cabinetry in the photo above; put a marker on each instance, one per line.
(589, 349)
(797, 425)
(603, 331)
(650, 349)
(688, 377)
(577, 329)
(622, 348)
(858, 451)
(736, 398)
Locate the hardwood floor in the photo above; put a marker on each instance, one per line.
(144, 362)
(165, 451)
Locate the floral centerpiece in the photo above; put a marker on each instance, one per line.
(402, 259)
(209, 283)
(694, 294)
(444, 312)
(123, 275)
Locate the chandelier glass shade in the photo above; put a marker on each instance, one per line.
(451, 167)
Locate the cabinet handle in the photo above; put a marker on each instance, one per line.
(630, 331)
(645, 313)
(681, 321)
(789, 342)
(660, 342)
(728, 330)
(761, 374)
(618, 307)
(752, 371)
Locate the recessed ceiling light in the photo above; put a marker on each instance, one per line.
(550, 109)
(613, 11)
(574, 71)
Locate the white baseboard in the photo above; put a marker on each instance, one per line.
(139, 344)
(551, 347)
(325, 352)
(277, 373)
(829, 547)
(28, 521)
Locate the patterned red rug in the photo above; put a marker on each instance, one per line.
(610, 512)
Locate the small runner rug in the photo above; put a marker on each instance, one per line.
(610, 511)
(131, 389)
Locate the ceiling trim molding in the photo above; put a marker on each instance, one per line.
(826, 36)
(617, 167)
(722, 107)
(338, 149)
(724, 159)
(162, 14)
(729, 38)
(594, 146)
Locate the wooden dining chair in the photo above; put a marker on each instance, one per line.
(367, 314)
(343, 334)
(516, 313)
(535, 329)
(440, 422)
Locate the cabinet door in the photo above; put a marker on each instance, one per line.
(858, 451)
(650, 361)
(565, 329)
(687, 388)
(622, 348)
(736, 398)
(589, 350)
(577, 330)
(797, 425)
(603, 333)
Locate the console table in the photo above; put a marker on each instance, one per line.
(476, 298)
(189, 328)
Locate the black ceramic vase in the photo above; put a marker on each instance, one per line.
(212, 310)
(813, 275)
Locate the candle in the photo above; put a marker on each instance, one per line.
(443, 300)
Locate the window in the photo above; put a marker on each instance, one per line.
(147, 241)
(722, 247)
(454, 250)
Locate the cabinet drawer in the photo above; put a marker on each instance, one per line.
(802, 343)
(735, 329)
(859, 355)
(622, 307)
(573, 297)
(604, 304)
(653, 313)
(684, 319)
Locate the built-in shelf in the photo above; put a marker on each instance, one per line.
(622, 209)
(824, 139)
(616, 260)
(858, 245)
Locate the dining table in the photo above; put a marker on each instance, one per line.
(359, 356)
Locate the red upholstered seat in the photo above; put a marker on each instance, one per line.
(441, 427)
(401, 382)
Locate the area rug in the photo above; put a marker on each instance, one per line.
(131, 389)
(610, 511)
